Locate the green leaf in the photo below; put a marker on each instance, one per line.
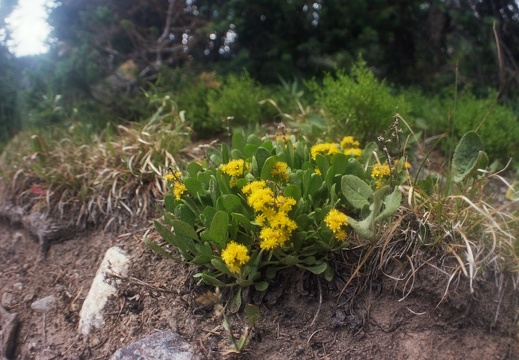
(208, 215)
(169, 203)
(193, 186)
(184, 246)
(253, 139)
(237, 154)
(329, 274)
(362, 228)
(249, 150)
(290, 260)
(391, 204)
(316, 181)
(329, 177)
(261, 156)
(317, 269)
(469, 156)
(211, 280)
(238, 140)
(261, 285)
(225, 154)
(159, 250)
(232, 202)
(266, 171)
(235, 304)
(193, 169)
(356, 191)
(292, 191)
(242, 220)
(322, 163)
(220, 266)
(184, 229)
(340, 163)
(354, 167)
(217, 232)
(367, 153)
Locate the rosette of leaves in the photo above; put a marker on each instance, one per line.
(217, 217)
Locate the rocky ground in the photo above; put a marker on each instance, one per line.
(301, 317)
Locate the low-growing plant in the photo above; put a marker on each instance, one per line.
(238, 97)
(108, 180)
(456, 115)
(357, 103)
(261, 206)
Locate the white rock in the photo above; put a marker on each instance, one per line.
(115, 262)
(45, 304)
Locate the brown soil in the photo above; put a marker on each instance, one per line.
(301, 317)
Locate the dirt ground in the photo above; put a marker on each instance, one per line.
(301, 317)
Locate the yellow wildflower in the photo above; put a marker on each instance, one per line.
(235, 256)
(349, 142)
(283, 138)
(324, 149)
(281, 221)
(341, 235)
(335, 220)
(235, 167)
(261, 198)
(379, 183)
(260, 219)
(317, 171)
(353, 152)
(380, 171)
(172, 176)
(272, 238)
(279, 170)
(285, 204)
(179, 189)
(253, 186)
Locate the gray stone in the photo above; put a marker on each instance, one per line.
(7, 300)
(45, 304)
(115, 262)
(9, 323)
(163, 345)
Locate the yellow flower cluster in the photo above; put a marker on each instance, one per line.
(235, 256)
(336, 221)
(235, 167)
(348, 146)
(272, 214)
(324, 149)
(279, 170)
(380, 171)
(178, 186)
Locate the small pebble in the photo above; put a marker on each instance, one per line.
(7, 300)
(45, 304)
(18, 286)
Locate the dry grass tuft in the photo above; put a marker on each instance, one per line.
(112, 180)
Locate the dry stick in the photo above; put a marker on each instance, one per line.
(499, 58)
(320, 303)
(169, 16)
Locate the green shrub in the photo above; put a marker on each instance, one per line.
(358, 103)
(193, 100)
(499, 131)
(239, 98)
(456, 117)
